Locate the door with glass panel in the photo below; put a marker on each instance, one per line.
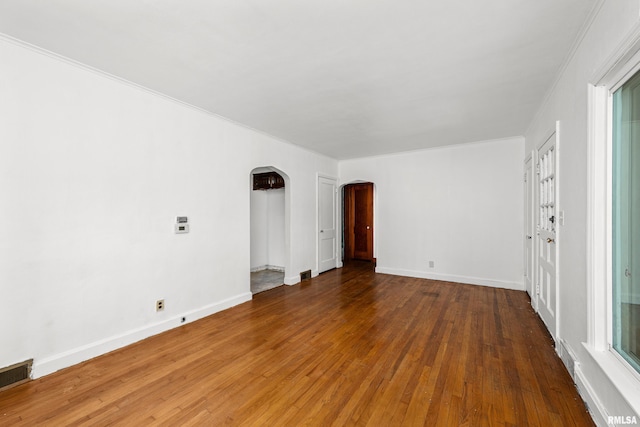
(546, 280)
(626, 221)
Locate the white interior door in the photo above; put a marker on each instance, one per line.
(327, 257)
(529, 230)
(546, 280)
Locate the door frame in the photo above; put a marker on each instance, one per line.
(530, 204)
(348, 194)
(341, 218)
(553, 132)
(289, 278)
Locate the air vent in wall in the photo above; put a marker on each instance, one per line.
(15, 374)
(305, 275)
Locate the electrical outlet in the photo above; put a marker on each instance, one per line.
(432, 264)
(160, 305)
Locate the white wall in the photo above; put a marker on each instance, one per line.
(259, 231)
(93, 172)
(568, 103)
(275, 227)
(461, 207)
(267, 228)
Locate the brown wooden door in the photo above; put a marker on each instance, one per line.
(358, 221)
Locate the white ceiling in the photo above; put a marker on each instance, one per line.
(347, 78)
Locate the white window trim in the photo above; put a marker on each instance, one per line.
(616, 71)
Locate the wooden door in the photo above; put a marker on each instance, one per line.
(327, 257)
(358, 221)
(546, 280)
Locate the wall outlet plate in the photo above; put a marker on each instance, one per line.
(181, 228)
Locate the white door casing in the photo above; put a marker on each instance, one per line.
(529, 230)
(546, 244)
(327, 256)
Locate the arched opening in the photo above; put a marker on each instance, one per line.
(269, 228)
(358, 221)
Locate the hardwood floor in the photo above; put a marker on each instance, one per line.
(349, 347)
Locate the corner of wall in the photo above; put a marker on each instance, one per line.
(291, 280)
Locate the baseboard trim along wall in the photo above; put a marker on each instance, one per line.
(77, 355)
(451, 278)
(568, 357)
(292, 280)
(267, 267)
(598, 413)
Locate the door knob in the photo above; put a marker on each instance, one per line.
(550, 240)
(529, 237)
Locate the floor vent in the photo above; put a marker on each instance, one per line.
(15, 374)
(305, 275)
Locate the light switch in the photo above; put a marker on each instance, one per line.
(561, 218)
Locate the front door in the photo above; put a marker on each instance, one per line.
(326, 224)
(546, 234)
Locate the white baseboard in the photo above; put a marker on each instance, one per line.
(267, 267)
(597, 411)
(74, 356)
(292, 280)
(568, 357)
(451, 278)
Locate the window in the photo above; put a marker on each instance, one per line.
(613, 149)
(625, 209)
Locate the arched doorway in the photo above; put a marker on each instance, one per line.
(269, 228)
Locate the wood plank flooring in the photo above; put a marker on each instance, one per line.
(349, 347)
